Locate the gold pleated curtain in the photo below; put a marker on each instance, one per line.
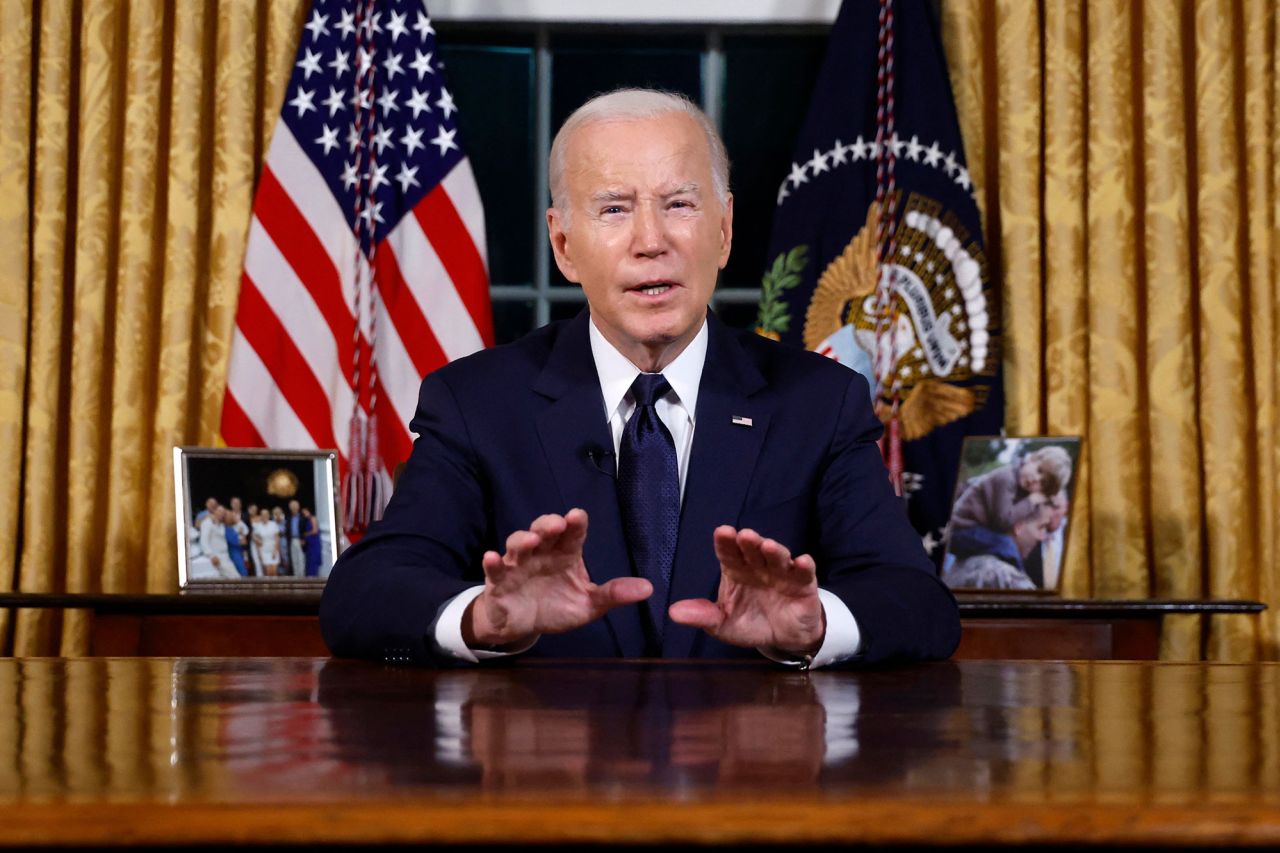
(130, 139)
(1127, 156)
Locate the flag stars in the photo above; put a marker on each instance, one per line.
(798, 176)
(422, 63)
(950, 163)
(334, 102)
(348, 176)
(839, 154)
(372, 213)
(328, 138)
(396, 26)
(818, 163)
(364, 59)
(387, 101)
(783, 193)
(302, 101)
(962, 178)
(382, 138)
(407, 177)
(377, 177)
(423, 27)
(896, 145)
(341, 62)
(412, 141)
(932, 154)
(310, 63)
(362, 99)
(318, 25)
(371, 25)
(446, 103)
(418, 102)
(861, 150)
(391, 65)
(913, 149)
(353, 137)
(444, 140)
(347, 24)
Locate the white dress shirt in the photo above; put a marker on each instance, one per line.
(676, 409)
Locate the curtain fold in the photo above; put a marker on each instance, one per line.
(126, 186)
(1133, 210)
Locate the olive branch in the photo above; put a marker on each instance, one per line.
(774, 320)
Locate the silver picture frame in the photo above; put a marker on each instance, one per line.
(293, 548)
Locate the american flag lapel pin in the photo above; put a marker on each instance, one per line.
(741, 420)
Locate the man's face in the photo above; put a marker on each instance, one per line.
(647, 233)
(293, 507)
(1031, 532)
(1057, 511)
(211, 504)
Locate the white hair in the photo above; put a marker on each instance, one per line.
(627, 105)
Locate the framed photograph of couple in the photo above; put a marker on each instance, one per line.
(255, 519)
(1011, 514)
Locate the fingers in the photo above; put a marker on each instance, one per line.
(747, 557)
(620, 591)
(697, 613)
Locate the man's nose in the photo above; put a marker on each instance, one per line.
(648, 239)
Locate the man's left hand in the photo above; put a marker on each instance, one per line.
(767, 598)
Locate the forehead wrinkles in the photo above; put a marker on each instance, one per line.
(626, 156)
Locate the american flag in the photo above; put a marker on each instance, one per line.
(365, 266)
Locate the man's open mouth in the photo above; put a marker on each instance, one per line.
(655, 288)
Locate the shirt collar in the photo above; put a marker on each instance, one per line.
(616, 371)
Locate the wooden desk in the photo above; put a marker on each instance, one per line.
(999, 627)
(113, 752)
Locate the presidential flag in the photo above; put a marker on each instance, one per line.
(365, 266)
(876, 257)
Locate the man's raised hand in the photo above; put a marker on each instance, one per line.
(541, 586)
(767, 599)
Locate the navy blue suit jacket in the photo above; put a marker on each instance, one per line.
(510, 433)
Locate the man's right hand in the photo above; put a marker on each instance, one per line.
(541, 586)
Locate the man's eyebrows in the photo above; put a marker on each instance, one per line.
(690, 188)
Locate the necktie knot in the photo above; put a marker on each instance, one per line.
(648, 388)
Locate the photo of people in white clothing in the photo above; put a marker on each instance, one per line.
(255, 517)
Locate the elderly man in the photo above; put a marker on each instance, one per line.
(641, 480)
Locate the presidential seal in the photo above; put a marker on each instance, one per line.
(939, 346)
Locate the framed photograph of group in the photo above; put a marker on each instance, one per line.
(1012, 513)
(255, 519)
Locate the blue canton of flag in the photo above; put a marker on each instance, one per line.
(877, 258)
(369, 104)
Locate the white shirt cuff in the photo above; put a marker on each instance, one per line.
(446, 633)
(843, 640)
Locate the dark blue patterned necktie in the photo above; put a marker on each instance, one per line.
(649, 492)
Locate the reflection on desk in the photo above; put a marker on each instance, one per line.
(306, 750)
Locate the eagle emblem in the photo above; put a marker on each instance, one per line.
(940, 323)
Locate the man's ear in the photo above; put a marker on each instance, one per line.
(726, 231)
(559, 236)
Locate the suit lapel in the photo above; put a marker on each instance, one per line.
(720, 467)
(579, 449)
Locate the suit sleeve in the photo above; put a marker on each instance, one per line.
(870, 555)
(384, 592)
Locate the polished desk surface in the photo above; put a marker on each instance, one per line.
(121, 751)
